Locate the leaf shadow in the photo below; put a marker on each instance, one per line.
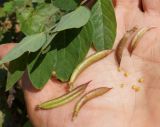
(60, 42)
(64, 38)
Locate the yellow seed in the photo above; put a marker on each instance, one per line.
(141, 80)
(136, 88)
(119, 69)
(126, 74)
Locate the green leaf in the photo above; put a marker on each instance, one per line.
(9, 7)
(2, 12)
(67, 50)
(104, 24)
(38, 1)
(20, 3)
(74, 19)
(30, 43)
(66, 5)
(40, 67)
(37, 20)
(49, 40)
(72, 47)
(16, 70)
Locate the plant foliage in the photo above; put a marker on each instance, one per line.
(67, 30)
(52, 36)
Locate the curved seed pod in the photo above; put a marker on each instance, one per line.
(122, 44)
(87, 97)
(87, 62)
(63, 99)
(137, 37)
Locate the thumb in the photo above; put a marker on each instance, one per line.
(5, 48)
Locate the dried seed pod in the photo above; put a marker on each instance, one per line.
(87, 97)
(63, 99)
(122, 44)
(137, 37)
(87, 62)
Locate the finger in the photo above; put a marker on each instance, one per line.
(151, 6)
(148, 47)
(5, 48)
(127, 3)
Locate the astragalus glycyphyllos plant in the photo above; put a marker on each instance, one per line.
(54, 36)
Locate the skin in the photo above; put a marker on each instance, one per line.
(121, 107)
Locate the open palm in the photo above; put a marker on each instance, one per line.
(122, 106)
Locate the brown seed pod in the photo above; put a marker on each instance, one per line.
(63, 99)
(122, 44)
(87, 97)
(87, 62)
(137, 37)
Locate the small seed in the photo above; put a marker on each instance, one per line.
(137, 38)
(53, 73)
(87, 62)
(141, 80)
(87, 97)
(136, 88)
(126, 74)
(122, 44)
(63, 99)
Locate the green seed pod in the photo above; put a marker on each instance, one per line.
(63, 99)
(87, 62)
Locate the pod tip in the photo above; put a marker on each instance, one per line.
(74, 116)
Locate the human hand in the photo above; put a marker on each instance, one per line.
(121, 107)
